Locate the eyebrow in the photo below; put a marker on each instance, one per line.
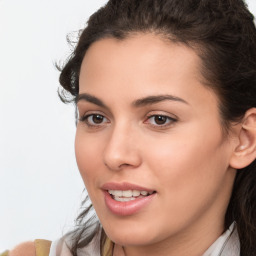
(149, 100)
(90, 98)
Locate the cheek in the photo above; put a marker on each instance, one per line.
(190, 173)
(88, 154)
(189, 163)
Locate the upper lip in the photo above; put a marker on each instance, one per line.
(125, 186)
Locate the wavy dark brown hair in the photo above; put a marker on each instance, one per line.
(223, 34)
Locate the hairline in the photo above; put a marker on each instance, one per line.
(200, 49)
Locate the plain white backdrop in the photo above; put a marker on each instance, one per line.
(40, 186)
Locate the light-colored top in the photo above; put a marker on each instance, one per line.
(226, 245)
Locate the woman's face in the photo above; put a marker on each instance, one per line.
(149, 143)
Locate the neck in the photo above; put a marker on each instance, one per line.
(194, 243)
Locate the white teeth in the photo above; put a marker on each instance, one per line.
(135, 193)
(124, 199)
(128, 193)
(144, 193)
(118, 193)
(111, 192)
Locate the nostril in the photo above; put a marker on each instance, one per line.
(118, 158)
(113, 166)
(123, 165)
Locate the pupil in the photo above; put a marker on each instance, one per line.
(97, 119)
(160, 119)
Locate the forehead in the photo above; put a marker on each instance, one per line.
(140, 65)
(143, 51)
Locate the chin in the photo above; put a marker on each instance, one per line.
(128, 235)
(131, 240)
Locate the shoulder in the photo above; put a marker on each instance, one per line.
(24, 249)
(32, 248)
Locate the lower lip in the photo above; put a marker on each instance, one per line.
(127, 208)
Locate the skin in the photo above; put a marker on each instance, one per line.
(24, 249)
(187, 161)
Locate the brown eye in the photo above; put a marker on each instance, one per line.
(160, 120)
(97, 119)
(94, 120)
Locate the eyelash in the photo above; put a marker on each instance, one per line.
(85, 119)
(170, 120)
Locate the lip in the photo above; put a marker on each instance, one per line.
(124, 186)
(130, 207)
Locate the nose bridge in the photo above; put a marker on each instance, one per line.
(121, 148)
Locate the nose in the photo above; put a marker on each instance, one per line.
(122, 151)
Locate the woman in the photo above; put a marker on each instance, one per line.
(166, 129)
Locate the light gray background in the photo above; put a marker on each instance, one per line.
(40, 186)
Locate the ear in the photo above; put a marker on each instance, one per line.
(245, 152)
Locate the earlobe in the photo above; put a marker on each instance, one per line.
(245, 152)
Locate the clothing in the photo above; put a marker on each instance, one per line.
(5, 253)
(226, 245)
(42, 248)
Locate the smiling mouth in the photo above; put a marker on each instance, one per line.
(129, 195)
